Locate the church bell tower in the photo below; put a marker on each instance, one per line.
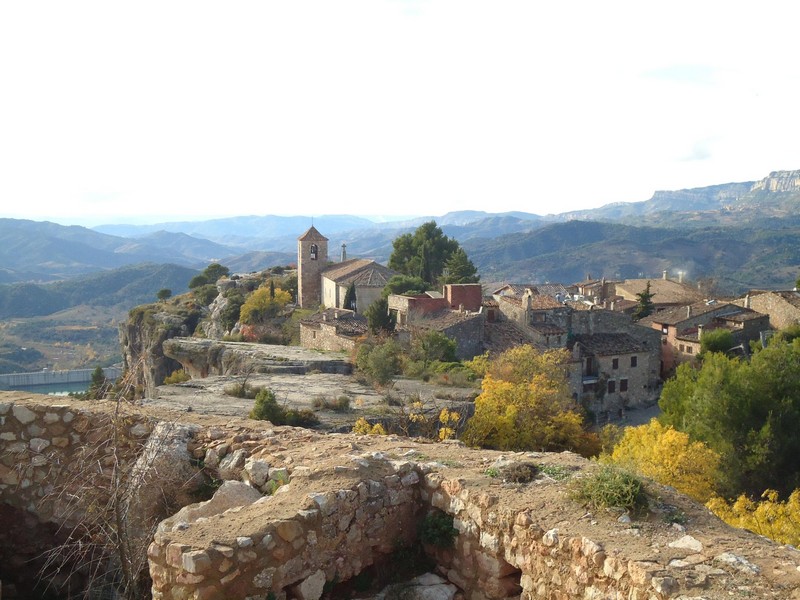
(312, 258)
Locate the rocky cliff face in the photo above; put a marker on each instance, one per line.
(141, 338)
(779, 181)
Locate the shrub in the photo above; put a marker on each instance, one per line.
(177, 376)
(524, 472)
(340, 404)
(266, 408)
(437, 530)
(363, 427)
(242, 390)
(609, 487)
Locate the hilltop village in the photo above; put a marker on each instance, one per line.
(616, 361)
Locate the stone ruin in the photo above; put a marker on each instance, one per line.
(297, 514)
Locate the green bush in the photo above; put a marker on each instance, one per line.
(340, 404)
(177, 376)
(610, 487)
(437, 530)
(266, 408)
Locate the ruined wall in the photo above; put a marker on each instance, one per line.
(322, 336)
(300, 511)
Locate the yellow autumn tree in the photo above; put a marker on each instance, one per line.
(525, 405)
(263, 304)
(772, 518)
(669, 457)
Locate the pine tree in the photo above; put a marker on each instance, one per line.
(645, 306)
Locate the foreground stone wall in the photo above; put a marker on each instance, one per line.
(298, 511)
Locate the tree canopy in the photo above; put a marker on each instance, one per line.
(378, 317)
(263, 304)
(670, 457)
(425, 254)
(747, 412)
(525, 405)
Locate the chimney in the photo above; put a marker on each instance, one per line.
(344, 252)
(688, 312)
(680, 276)
(747, 301)
(699, 331)
(324, 317)
(664, 274)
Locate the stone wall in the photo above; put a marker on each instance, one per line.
(781, 313)
(322, 336)
(299, 511)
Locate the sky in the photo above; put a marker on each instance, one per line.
(148, 111)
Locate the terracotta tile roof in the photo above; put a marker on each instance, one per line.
(543, 302)
(489, 302)
(605, 344)
(548, 328)
(679, 314)
(346, 322)
(517, 289)
(504, 335)
(511, 300)
(361, 271)
(665, 291)
(312, 235)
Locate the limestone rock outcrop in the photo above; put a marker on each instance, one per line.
(141, 338)
(202, 358)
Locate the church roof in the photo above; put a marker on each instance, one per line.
(361, 271)
(312, 235)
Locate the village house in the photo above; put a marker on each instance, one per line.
(782, 307)
(682, 327)
(333, 329)
(601, 342)
(320, 282)
(456, 312)
(610, 372)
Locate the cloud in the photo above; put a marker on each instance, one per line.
(692, 74)
(701, 150)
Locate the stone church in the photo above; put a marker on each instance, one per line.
(321, 282)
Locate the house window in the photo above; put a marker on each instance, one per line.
(623, 385)
(612, 386)
(313, 252)
(634, 361)
(688, 349)
(665, 330)
(615, 363)
(681, 347)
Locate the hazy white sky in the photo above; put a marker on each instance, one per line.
(115, 112)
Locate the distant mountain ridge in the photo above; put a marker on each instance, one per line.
(34, 251)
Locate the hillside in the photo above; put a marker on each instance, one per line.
(737, 258)
(33, 251)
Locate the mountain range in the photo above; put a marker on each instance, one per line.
(744, 233)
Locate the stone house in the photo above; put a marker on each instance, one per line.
(682, 327)
(610, 372)
(432, 311)
(320, 282)
(782, 306)
(333, 329)
(605, 336)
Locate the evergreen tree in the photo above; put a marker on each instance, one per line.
(350, 297)
(459, 269)
(645, 306)
(378, 317)
(423, 254)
